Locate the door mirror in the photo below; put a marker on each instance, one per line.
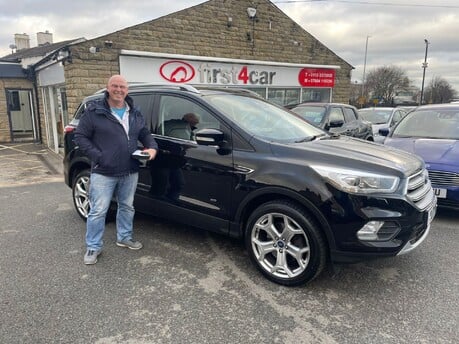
(209, 137)
(384, 131)
(336, 123)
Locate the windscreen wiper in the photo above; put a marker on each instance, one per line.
(310, 138)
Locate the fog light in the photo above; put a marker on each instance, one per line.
(369, 232)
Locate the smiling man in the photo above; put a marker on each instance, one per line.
(108, 133)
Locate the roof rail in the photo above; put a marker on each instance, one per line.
(183, 87)
(231, 89)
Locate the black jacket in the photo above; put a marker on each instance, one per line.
(102, 137)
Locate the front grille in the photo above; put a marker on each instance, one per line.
(444, 202)
(442, 178)
(420, 191)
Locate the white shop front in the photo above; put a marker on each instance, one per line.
(281, 83)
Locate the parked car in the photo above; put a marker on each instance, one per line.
(335, 118)
(432, 132)
(298, 196)
(381, 118)
(407, 109)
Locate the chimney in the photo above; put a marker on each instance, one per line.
(22, 41)
(44, 38)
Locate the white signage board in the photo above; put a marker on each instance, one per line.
(196, 70)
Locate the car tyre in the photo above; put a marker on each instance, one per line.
(80, 193)
(285, 244)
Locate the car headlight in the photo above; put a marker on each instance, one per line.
(358, 182)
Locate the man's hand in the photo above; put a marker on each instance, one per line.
(152, 152)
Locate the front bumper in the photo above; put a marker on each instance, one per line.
(419, 237)
(410, 228)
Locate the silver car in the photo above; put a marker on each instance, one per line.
(381, 118)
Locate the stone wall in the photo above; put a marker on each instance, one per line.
(202, 30)
(6, 83)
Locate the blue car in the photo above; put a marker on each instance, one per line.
(432, 132)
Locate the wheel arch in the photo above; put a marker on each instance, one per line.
(77, 167)
(258, 197)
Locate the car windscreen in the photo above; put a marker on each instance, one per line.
(430, 123)
(263, 119)
(312, 114)
(375, 116)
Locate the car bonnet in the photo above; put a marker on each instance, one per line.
(430, 150)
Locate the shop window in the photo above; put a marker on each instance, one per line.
(319, 95)
(284, 96)
(260, 91)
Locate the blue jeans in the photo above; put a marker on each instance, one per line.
(101, 191)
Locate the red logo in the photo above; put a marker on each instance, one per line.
(177, 71)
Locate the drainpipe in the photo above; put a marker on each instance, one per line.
(32, 76)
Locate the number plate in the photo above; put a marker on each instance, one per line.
(440, 193)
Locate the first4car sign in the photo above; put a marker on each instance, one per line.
(209, 74)
(198, 72)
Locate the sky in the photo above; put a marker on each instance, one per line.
(386, 32)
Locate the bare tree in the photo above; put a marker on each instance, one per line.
(384, 82)
(439, 91)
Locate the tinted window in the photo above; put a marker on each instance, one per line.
(180, 118)
(144, 103)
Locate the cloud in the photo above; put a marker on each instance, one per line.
(396, 33)
(397, 29)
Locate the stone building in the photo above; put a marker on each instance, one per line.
(20, 119)
(239, 43)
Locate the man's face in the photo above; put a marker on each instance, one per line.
(117, 89)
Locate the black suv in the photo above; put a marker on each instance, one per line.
(336, 118)
(298, 196)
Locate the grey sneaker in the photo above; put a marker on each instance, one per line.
(90, 257)
(129, 243)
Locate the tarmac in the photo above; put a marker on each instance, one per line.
(25, 163)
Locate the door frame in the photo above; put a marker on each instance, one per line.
(35, 135)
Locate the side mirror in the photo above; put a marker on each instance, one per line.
(209, 137)
(383, 131)
(336, 123)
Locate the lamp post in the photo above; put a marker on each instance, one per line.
(364, 66)
(424, 66)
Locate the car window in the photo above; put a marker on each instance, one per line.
(263, 119)
(80, 111)
(144, 103)
(336, 114)
(396, 117)
(349, 115)
(312, 114)
(375, 116)
(437, 124)
(180, 118)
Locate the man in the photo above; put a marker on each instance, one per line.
(108, 133)
(182, 128)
